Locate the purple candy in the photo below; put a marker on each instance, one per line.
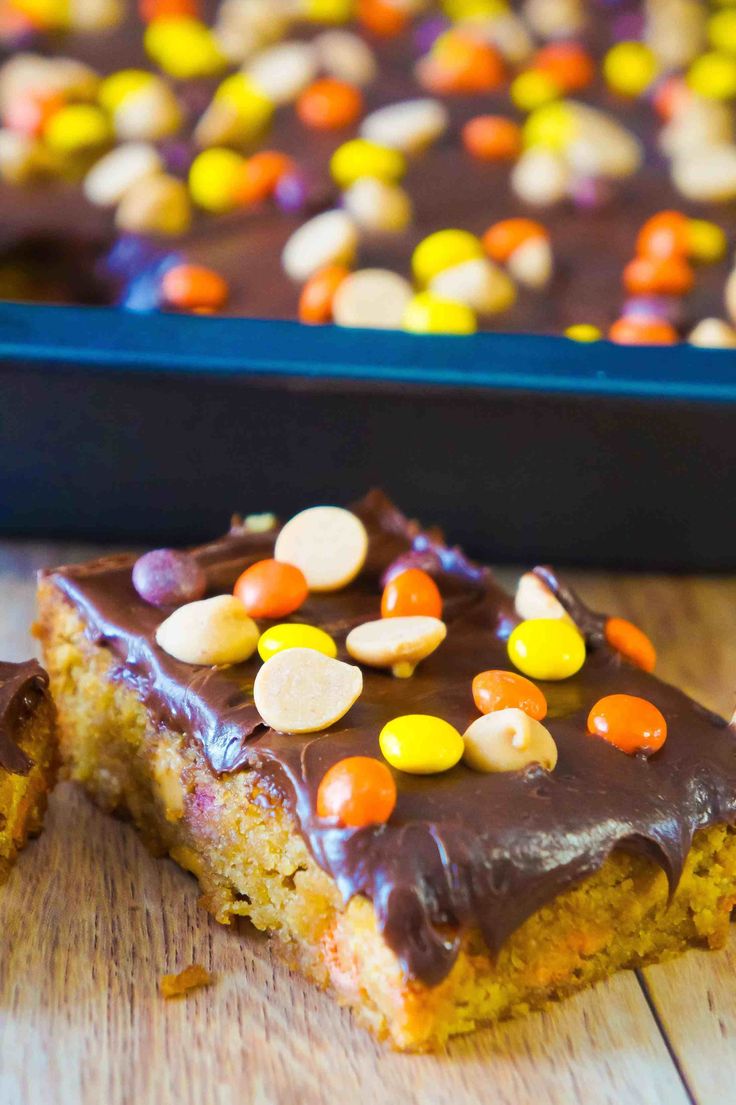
(628, 26)
(291, 193)
(427, 33)
(178, 156)
(591, 193)
(165, 577)
(666, 307)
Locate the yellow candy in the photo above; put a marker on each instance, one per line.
(629, 68)
(185, 48)
(118, 86)
(583, 331)
(44, 13)
(293, 635)
(552, 126)
(421, 744)
(240, 93)
(713, 76)
(427, 313)
(443, 250)
(546, 648)
(212, 178)
(722, 31)
(708, 243)
(328, 11)
(77, 127)
(360, 158)
(474, 9)
(532, 89)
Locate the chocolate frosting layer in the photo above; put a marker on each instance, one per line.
(21, 686)
(462, 849)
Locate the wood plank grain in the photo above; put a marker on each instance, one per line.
(90, 921)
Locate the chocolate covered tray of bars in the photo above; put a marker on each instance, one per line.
(329, 215)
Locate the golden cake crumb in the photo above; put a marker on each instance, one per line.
(191, 978)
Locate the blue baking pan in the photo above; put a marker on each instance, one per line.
(155, 428)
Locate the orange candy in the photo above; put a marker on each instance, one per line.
(29, 114)
(194, 288)
(271, 589)
(670, 96)
(381, 18)
(568, 63)
(630, 723)
(259, 175)
(664, 236)
(640, 330)
(658, 276)
(358, 791)
(412, 592)
(329, 104)
(501, 239)
(167, 9)
(463, 64)
(631, 642)
(315, 302)
(501, 690)
(492, 138)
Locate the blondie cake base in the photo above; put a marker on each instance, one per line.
(23, 796)
(245, 849)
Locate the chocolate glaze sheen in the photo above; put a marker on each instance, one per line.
(462, 849)
(21, 686)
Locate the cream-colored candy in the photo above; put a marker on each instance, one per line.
(698, 123)
(148, 114)
(110, 178)
(30, 73)
(534, 599)
(396, 643)
(210, 631)
(221, 124)
(156, 204)
(328, 544)
(281, 72)
(328, 239)
(708, 175)
(508, 740)
(532, 263)
(540, 177)
(95, 15)
(18, 156)
(478, 283)
(345, 56)
(244, 26)
(713, 333)
(260, 523)
(729, 296)
(555, 18)
(601, 146)
(409, 126)
(372, 298)
(378, 206)
(675, 31)
(506, 31)
(301, 690)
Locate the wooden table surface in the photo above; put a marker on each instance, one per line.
(89, 921)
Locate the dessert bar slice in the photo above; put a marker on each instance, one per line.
(435, 873)
(27, 756)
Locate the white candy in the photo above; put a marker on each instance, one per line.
(18, 156)
(508, 740)
(396, 643)
(95, 15)
(110, 178)
(409, 126)
(675, 31)
(698, 123)
(345, 56)
(31, 73)
(372, 298)
(210, 631)
(478, 283)
(303, 691)
(148, 114)
(535, 600)
(327, 239)
(327, 543)
(281, 72)
(729, 296)
(708, 175)
(378, 206)
(506, 32)
(713, 333)
(601, 145)
(540, 177)
(555, 18)
(532, 264)
(244, 26)
(157, 204)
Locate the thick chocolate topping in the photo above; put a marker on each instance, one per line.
(21, 685)
(462, 849)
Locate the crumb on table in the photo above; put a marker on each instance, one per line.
(191, 978)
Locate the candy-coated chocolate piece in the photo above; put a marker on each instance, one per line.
(257, 177)
(492, 138)
(421, 744)
(213, 179)
(411, 592)
(271, 589)
(359, 157)
(168, 577)
(499, 690)
(329, 104)
(279, 638)
(664, 235)
(546, 648)
(315, 301)
(568, 63)
(357, 791)
(631, 642)
(639, 330)
(194, 287)
(427, 313)
(630, 723)
(443, 250)
(630, 67)
(505, 237)
(583, 332)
